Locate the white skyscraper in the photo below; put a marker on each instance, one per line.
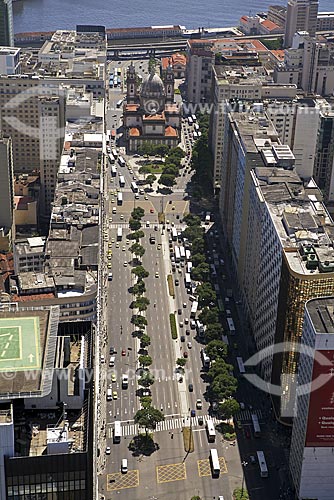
(301, 16)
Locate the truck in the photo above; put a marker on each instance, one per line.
(119, 234)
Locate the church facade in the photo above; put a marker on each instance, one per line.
(150, 114)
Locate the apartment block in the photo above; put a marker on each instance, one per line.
(280, 238)
(200, 58)
(325, 21)
(29, 255)
(301, 15)
(311, 451)
(10, 61)
(6, 23)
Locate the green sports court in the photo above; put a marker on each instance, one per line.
(20, 344)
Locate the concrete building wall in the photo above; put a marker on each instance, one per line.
(6, 183)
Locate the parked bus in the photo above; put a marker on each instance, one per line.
(174, 234)
(134, 187)
(113, 171)
(221, 306)
(194, 307)
(114, 153)
(256, 425)
(119, 233)
(241, 365)
(182, 253)
(119, 103)
(188, 254)
(177, 253)
(189, 267)
(262, 463)
(200, 329)
(187, 280)
(119, 198)
(117, 431)
(214, 462)
(111, 158)
(121, 161)
(121, 181)
(210, 430)
(205, 359)
(231, 326)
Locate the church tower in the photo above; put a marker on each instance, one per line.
(131, 84)
(169, 84)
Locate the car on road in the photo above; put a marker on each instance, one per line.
(181, 324)
(117, 245)
(114, 395)
(247, 433)
(193, 413)
(177, 282)
(123, 352)
(124, 466)
(146, 197)
(200, 420)
(123, 248)
(189, 344)
(109, 267)
(198, 404)
(137, 196)
(184, 305)
(187, 332)
(192, 324)
(151, 210)
(102, 359)
(157, 274)
(159, 247)
(186, 320)
(147, 223)
(108, 450)
(112, 350)
(122, 217)
(190, 388)
(113, 377)
(183, 339)
(185, 355)
(252, 459)
(125, 264)
(179, 311)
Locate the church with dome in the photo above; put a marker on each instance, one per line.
(150, 114)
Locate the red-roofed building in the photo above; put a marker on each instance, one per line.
(269, 28)
(178, 62)
(150, 110)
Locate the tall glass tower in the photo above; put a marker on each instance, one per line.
(6, 23)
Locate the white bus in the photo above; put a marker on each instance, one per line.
(121, 161)
(211, 431)
(182, 253)
(114, 153)
(188, 254)
(113, 171)
(190, 120)
(205, 359)
(134, 187)
(117, 432)
(231, 326)
(177, 253)
(256, 425)
(111, 158)
(174, 234)
(187, 280)
(241, 365)
(214, 462)
(189, 267)
(121, 181)
(262, 463)
(119, 233)
(194, 307)
(119, 198)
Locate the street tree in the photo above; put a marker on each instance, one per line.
(167, 180)
(170, 169)
(134, 224)
(181, 362)
(150, 179)
(136, 235)
(141, 303)
(194, 232)
(137, 249)
(201, 272)
(216, 349)
(197, 258)
(149, 418)
(213, 331)
(139, 288)
(218, 368)
(145, 360)
(192, 220)
(138, 213)
(140, 272)
(206, 294)
(146, 379)
(145, 341)
(197, 245)
(228, 408)
(146, 401)
(209, 316)
(223, 386)
(138, 320)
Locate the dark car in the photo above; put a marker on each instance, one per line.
(200, 420)
(191, 388)
(179, 311)
(112, 350)
(177, 282)
(193, 413)
(247, 433)
(185, 354)
(187, 332)
(183, 339)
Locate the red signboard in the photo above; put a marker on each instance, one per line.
(320, 424)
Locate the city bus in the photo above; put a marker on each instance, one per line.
(134, 187)
(111, 158)
(241, 365)
(117, 432)
(113, 171)
(188, 254)
(231, 326)
(119, 233)
(194, 307)
(182, 253)
(262, 463)
(221, 306)
(119, 198)
(114, 153)
(215, 466)
(187, 280)
(174, 234)
(177, 253)
(205, 359)
(189, 267)
(210, 431)
(121, 181)
(121, 161)
(256, 425)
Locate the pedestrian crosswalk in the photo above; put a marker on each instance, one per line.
(131, 429)
(246, 415)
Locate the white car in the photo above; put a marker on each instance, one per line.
(108, 450)
(147, 223)
(189, 344)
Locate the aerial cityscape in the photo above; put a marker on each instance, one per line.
(167, 256)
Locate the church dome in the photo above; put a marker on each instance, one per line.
(152, 87)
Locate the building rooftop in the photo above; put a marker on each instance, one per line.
(321, 311)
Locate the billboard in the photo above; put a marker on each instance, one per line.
(320, 423)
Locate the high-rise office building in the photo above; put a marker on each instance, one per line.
(6, 183)
(6, 23)
(301, 16)
(311, 452)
